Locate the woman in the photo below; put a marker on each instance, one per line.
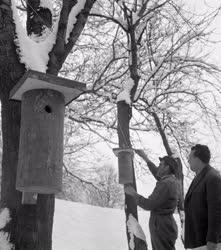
(162, 203)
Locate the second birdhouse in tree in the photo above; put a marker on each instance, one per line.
(43, 98)
(125, 165)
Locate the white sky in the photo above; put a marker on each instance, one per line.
(202, 6)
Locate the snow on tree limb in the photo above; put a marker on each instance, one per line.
(33, 54)
(47, 4)
(72, 19)
(125, 94)
(62, 49)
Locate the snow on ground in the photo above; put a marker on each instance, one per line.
(79, 226)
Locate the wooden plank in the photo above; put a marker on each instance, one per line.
(125, 164)
(29, 198)
(118, 150)
(41, 142)
(37, 80)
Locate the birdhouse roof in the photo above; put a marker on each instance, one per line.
(37, 80)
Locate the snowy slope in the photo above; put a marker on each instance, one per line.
(83, 227)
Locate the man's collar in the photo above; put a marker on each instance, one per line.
(203, 169)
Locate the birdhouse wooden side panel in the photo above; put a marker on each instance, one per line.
(41, 142)
(125, 164)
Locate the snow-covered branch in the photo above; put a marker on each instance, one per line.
(73, 18)
(35, 55)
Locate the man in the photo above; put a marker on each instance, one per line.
(203, 203)
(162, 203)
(154, 170)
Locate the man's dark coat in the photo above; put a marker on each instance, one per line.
(203, 209)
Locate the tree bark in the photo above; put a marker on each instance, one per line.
(124, 116)
(25, 228)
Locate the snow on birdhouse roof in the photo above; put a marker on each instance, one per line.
(38, 80)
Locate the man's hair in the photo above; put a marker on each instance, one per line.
(171, 162)
(202, 152)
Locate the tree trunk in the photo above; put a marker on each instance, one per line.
(30, 227)
(124, 116)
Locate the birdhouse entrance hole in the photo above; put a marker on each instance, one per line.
(48, 109)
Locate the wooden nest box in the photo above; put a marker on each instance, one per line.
(125, 165)
(43, 98)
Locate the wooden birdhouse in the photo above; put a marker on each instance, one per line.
(43, 98)
(125, 164)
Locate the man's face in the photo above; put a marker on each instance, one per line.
(163, 169)
(193, 161)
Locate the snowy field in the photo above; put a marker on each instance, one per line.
(83, 227)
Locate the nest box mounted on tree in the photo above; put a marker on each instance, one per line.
(125, 164)
(40, 161)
